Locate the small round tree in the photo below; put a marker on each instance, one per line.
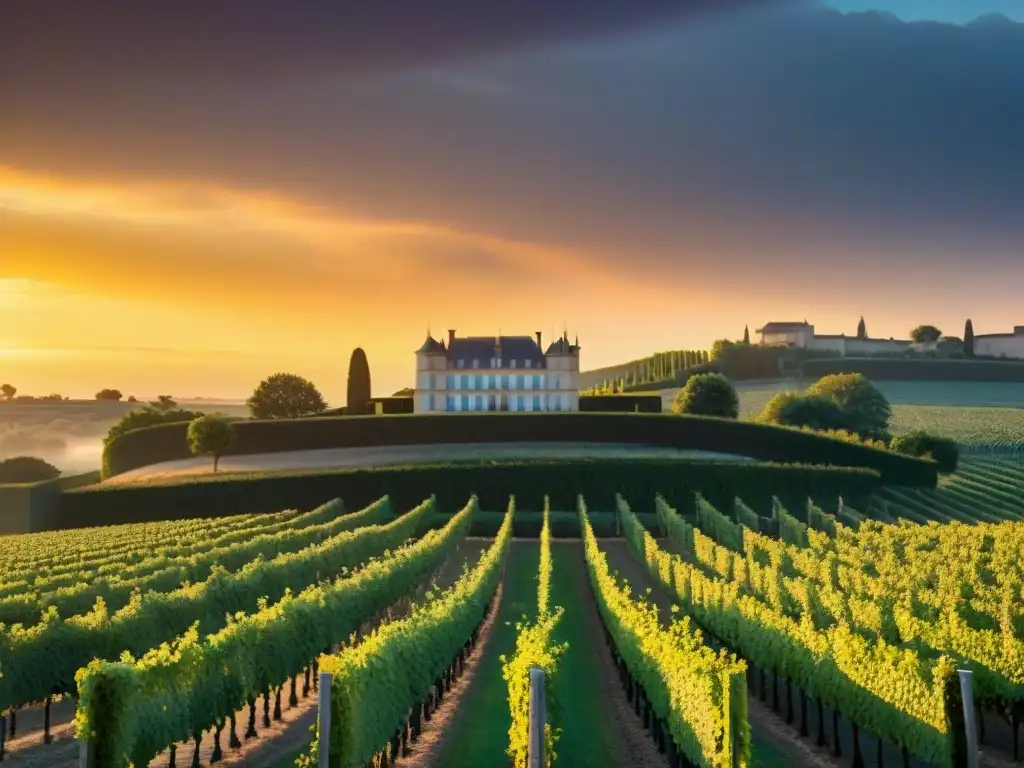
(773, 409)
(26, 469)
(708, 394)
(109, 394)
(211, 434)
(285, 396)
(814, 412)
(867, 411)
(925, 334)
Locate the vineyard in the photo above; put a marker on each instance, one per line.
(984, 417)
(691, 634)
(981, 491)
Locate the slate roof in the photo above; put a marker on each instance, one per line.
(431, 345)
(560, 347)
(518, 348)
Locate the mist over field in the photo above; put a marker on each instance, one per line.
(70, 434)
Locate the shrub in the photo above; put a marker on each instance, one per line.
(813, 411)
(942, 450)
(597, 479)
(147, 416)
(768, 443)
(211, 434)
(621, 403)
(285, 396)
(866, 410)
(26, 469)
(109, 394)
(708, 394)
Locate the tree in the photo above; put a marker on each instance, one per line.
(867, 411)
(925, 334)
(815, 412)
(969, 338)
(942, 450)
(147, 416)
(132, 399)
(358, 395)
(109, 394)
(409, 392)
(746, 335)
(708, 394)
(8, 391)
(285, 396)
(862, 329)
(163, 403)
(719, 349)
(211, 434)
(26, 469)
(773, 409)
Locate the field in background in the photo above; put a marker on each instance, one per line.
(69, 434)
(983, 416)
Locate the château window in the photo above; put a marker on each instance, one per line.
(476, 363)
(512, 364)
(528, 363)
(460, 363)
(498, 363)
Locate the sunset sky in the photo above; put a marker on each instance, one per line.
(189, 203)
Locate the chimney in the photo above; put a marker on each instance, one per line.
(451, 337)
(538, 341)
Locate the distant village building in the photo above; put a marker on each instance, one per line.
(1010, 345)
(802, 336)
(497, 373)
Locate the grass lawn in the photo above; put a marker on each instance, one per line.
(478, 732)
(588, 735)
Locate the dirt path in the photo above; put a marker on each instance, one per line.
(599, 727)
(282, 738)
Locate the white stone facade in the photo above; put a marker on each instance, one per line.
(505, 373)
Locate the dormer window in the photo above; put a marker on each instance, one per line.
(512, 364)
(528, 363)
(460, 363)
(497, 363)
(476, 363)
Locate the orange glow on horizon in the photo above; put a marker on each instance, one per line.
(198, 289)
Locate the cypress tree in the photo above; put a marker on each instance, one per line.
(862, 329)
(358, 383)
(969, 338)
(746, 335)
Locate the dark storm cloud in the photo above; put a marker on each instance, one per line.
(768, 130)
(147, 40)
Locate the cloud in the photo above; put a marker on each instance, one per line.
(193, 243)
(759, 135)
(122, 42)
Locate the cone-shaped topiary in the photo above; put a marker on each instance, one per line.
(358, 384)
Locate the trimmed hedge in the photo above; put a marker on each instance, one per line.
(900, 369)
(620, 403)
(32, 507)
(597, 479)
(758, 441)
